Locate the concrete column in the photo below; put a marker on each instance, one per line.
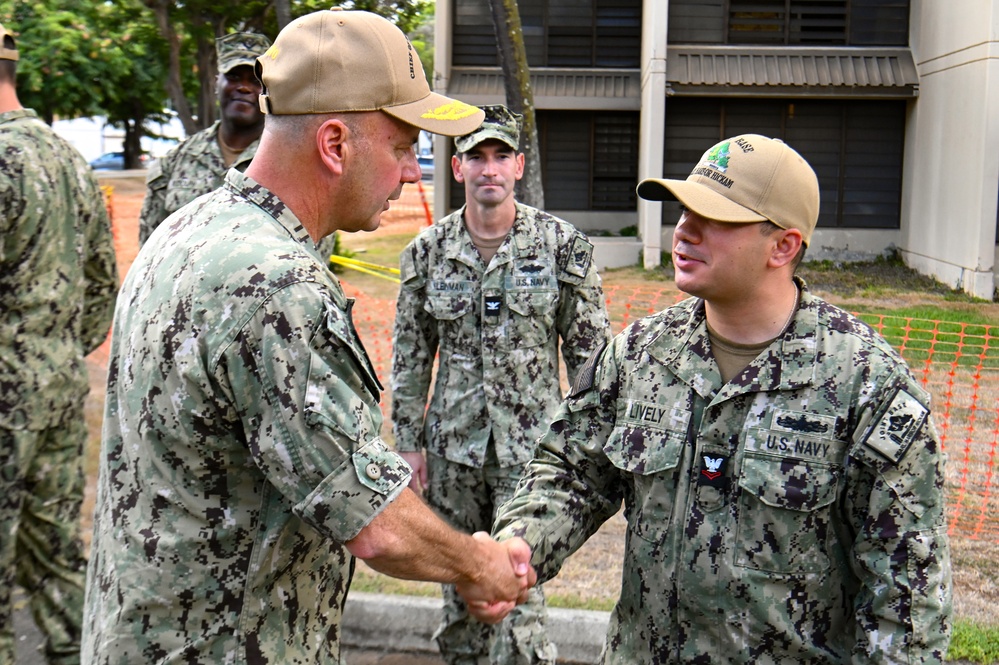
(442, 74)
(951, 168)
(652, 124)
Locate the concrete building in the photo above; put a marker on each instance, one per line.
(894, 102)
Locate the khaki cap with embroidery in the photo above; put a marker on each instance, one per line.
(336, 61)
(7, 53)
(240, 48)
(747, 178)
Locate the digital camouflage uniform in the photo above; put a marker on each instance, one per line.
(793, 515)
(241, 446)
(197, 166)
(193, 168)
(496, 330)
(58, 281)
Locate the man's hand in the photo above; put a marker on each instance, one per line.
(505, 578)
(418, 482)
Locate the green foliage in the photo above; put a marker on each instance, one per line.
(93, 57)
(975, 643)
(59, 67)
(630, 231)
(340, 250)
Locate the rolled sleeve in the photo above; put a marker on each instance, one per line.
(350, 497)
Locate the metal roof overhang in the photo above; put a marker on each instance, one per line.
(848, 72)
(553, 88)
(711, 71)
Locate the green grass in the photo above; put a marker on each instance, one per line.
(975, 643)
(964, 339)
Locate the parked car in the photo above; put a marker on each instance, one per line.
(426, 165)
(114, 161)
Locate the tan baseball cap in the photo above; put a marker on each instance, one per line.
(336, 61)
(747, 178)
(7, 53)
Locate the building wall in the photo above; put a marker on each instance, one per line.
(950, 172)
(951, 168)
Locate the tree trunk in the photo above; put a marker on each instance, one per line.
(282, 9)
(174, 87)
(133, 140)
(519, 96)
(208, 72)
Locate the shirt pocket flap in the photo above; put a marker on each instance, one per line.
(789, 483)
(531, 303)
(448, 307)
(643, 451)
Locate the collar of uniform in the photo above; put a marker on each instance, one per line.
(211, 144)
(799, 344)
(524, 239)
(267, 201)
(20, 113)
(682, 346)
(458, 244)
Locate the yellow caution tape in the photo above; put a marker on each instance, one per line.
(384, 272)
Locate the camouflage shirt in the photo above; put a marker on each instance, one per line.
(193, 168)
(58, 276)
(792, 515)
(240, 450)
(496, 330)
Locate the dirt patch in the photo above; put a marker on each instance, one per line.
(593, 573)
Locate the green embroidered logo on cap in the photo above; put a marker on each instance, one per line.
(717, 157)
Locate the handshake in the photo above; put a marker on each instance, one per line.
(501, 580)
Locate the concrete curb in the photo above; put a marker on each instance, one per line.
(407, 624)
(398, 624)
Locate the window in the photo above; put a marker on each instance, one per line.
(557, 33)
(790, 22)
(589, 160)
(855, 148)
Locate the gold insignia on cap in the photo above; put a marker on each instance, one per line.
(272, 53)
(452, 111)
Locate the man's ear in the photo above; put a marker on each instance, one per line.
(456, 168)
(331, 139)
(787, 244)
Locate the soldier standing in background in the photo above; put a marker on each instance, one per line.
(198, 165)
(781, 474)
(58, 280)
(492, 288)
